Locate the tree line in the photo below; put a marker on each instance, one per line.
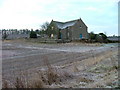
(47, 29)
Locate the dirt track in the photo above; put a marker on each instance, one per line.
(17, 56)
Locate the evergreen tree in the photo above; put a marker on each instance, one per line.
(33, 34)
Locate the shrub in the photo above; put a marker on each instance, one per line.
(99, 38)
(92, 36)
(33, 34)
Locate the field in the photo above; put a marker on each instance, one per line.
(74, 65)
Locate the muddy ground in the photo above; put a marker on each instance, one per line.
(89, 65)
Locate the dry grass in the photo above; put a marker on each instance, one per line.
(109, 70)
(36, 83)
(51, 76)
(83, 79)
(5, 84)
(43, 80)
(75, 68)
(94, 60)
(19, 83)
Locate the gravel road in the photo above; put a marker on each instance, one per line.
(17, 56)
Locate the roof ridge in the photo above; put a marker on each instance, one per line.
(71, 21)
(63, 25)
(67, 21)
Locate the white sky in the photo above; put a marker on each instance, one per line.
(98, 15)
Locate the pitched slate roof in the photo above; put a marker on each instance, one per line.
(63, 25)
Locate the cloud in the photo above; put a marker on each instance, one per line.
(109, 29)
(91, 8)
(32, 13)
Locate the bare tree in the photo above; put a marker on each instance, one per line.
(44, 26)
(4, 35)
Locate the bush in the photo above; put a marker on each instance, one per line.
(101, 37)
(33, 34)
(92, 36)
